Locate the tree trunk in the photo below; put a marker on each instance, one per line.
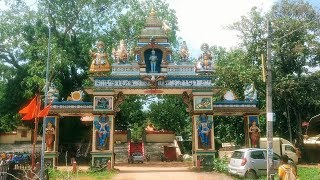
(299, 132)
(289, 123)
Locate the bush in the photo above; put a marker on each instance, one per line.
(220, 165)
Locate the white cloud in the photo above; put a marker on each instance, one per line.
(203, 21)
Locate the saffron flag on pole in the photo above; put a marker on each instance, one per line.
(30, 107)
(45, 111)
(31, 110)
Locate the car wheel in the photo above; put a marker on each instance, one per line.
(251, 174)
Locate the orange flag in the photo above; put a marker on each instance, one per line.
(45, 111)
(31, 110)
(30, 107)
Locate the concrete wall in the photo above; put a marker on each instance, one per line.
(160, 136)
(16, 136)
(121, 136)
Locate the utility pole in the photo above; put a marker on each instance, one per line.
(269, 107)
(44, 123)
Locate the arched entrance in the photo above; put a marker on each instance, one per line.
(193, 82)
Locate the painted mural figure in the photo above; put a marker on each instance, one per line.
(103, 103)
(254, 134)
(103, 130)
(204, 128)
(153, 60)
(50, 136)
(100, 58)
(205, 103)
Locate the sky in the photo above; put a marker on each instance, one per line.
(204, 21)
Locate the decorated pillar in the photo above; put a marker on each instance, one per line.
(104, 110)
(102, 131)
(203, 128)
(51, 141)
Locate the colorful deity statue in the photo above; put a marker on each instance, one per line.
(205, 60)
(103, 130)
(49, 136)
(121, 54)
(184, 52)
(100, 59)
(204, 131)
(53, 93)
(250, 93)
(153, 61)
(254, 131)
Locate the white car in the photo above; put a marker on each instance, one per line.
(251, 162)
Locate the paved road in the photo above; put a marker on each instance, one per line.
(164, 173)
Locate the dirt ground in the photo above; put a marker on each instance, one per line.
(164, 171)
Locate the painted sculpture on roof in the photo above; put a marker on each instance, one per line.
(121, 55)
(99, 59)
(204, 62)
(250, 93)
(184, 52)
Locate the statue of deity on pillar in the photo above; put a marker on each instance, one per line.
(102, 126)
(204, 126)
(49, 136)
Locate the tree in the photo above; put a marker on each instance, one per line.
(296, 46)
(75, 27)
(131, 113)
(169, 113)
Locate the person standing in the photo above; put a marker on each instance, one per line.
(286, 171)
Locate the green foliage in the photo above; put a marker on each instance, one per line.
(136, 132)
(295, 46)
(220, 165)
(57, 174)
(169, 113)
(229, 129)
(311, 173)
(131, 113)
(75, 27)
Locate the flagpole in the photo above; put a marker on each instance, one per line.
(35, 135)
(45, 104)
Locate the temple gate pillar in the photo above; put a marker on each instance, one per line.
(102, 140)
(51, 141)
(203, 128)
(104, 110)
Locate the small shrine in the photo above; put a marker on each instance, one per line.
(151, 71)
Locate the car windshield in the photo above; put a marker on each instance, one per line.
(237, 155)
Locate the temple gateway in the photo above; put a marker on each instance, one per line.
(153, 71)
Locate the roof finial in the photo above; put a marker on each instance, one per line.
(153, 12)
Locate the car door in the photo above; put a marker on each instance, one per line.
(259, 162)
(276, 161)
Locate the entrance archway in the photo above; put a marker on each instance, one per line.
(192, 82)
